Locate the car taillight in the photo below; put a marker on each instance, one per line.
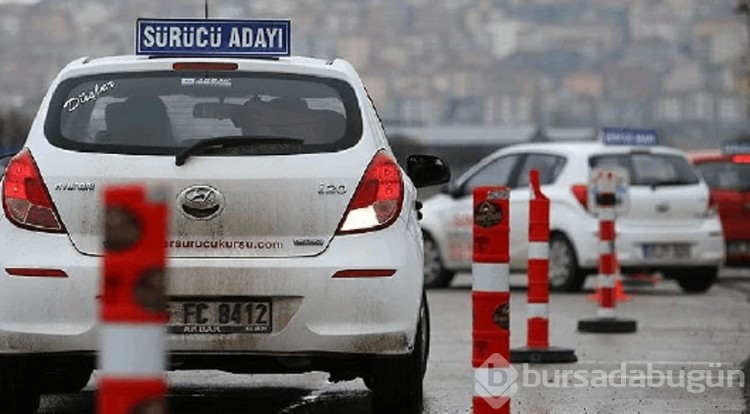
(741, 159)
(377, 202)
(204, 66)
(580, 191)
(26, 202)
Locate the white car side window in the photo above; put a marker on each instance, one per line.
(549, 167)
(497, 172)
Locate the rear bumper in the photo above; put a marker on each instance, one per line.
(313, 313)
(705, 240)
(344, 366)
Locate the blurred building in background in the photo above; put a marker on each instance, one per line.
(674, 65)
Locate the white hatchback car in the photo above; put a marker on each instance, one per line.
(671, 225)
(284, 194)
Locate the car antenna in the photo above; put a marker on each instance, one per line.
(206, 8)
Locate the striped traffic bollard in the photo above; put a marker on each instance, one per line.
(493, 375)
(133, 305)
(607, 322)
(537, 347)
(620, 294)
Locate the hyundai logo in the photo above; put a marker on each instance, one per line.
(200, 202)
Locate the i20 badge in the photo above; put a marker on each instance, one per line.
(200, 202)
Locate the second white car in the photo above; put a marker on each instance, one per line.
(670, 227)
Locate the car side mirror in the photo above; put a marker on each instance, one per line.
(427, 170)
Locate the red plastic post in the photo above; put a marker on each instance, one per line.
(133, 305)
(538, 266)
(537, 349)
(607, 322)
(491, 300)
(607, 262)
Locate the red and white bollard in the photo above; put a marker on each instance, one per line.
(607, 322)
(607, 264)
(620, 294)
(133, 313)
(493, 375)
(537, 312)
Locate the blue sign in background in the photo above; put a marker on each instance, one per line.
(734, 147)
(628, 136)
(197, 37)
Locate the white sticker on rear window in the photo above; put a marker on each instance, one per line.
(212, 82)
(89, 96)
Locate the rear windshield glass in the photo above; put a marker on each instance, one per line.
(726, 175)
(164, 112)
(650, 169)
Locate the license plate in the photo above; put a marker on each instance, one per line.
(251, 316)
(738, 247)
(666, 251)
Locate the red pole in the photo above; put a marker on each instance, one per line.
(607, 322)
(491, 301)
(607, 263)
(133, 306)
(538, 267)
(537, 348)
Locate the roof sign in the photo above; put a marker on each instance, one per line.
(734, 147)
(627, 136)
(198, 37)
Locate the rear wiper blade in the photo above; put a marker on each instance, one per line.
(667, 182)
(232, 140)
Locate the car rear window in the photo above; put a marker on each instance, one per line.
(650, 169)
(165, 112)
(726, 175)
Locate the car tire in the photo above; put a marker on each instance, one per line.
(396, 383)
(564, 273)
(697, 280)
(435, 273)
(19, 392)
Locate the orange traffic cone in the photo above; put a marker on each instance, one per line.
(620, 294)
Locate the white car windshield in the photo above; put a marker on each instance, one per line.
(650, 169)
(164, 112)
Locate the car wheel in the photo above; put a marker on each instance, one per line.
(435, 273)
(564, 274)
(396, 383)
(19, 392)
(697, 280)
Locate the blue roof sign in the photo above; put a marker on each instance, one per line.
(198, 37)
(735, 147)
(627, 136)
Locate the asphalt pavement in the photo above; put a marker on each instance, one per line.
(695, 344)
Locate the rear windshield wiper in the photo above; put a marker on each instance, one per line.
(232, 141)
(668, 182)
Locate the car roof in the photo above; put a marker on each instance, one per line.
(338, 68)
(584, 148)
(568, 149)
